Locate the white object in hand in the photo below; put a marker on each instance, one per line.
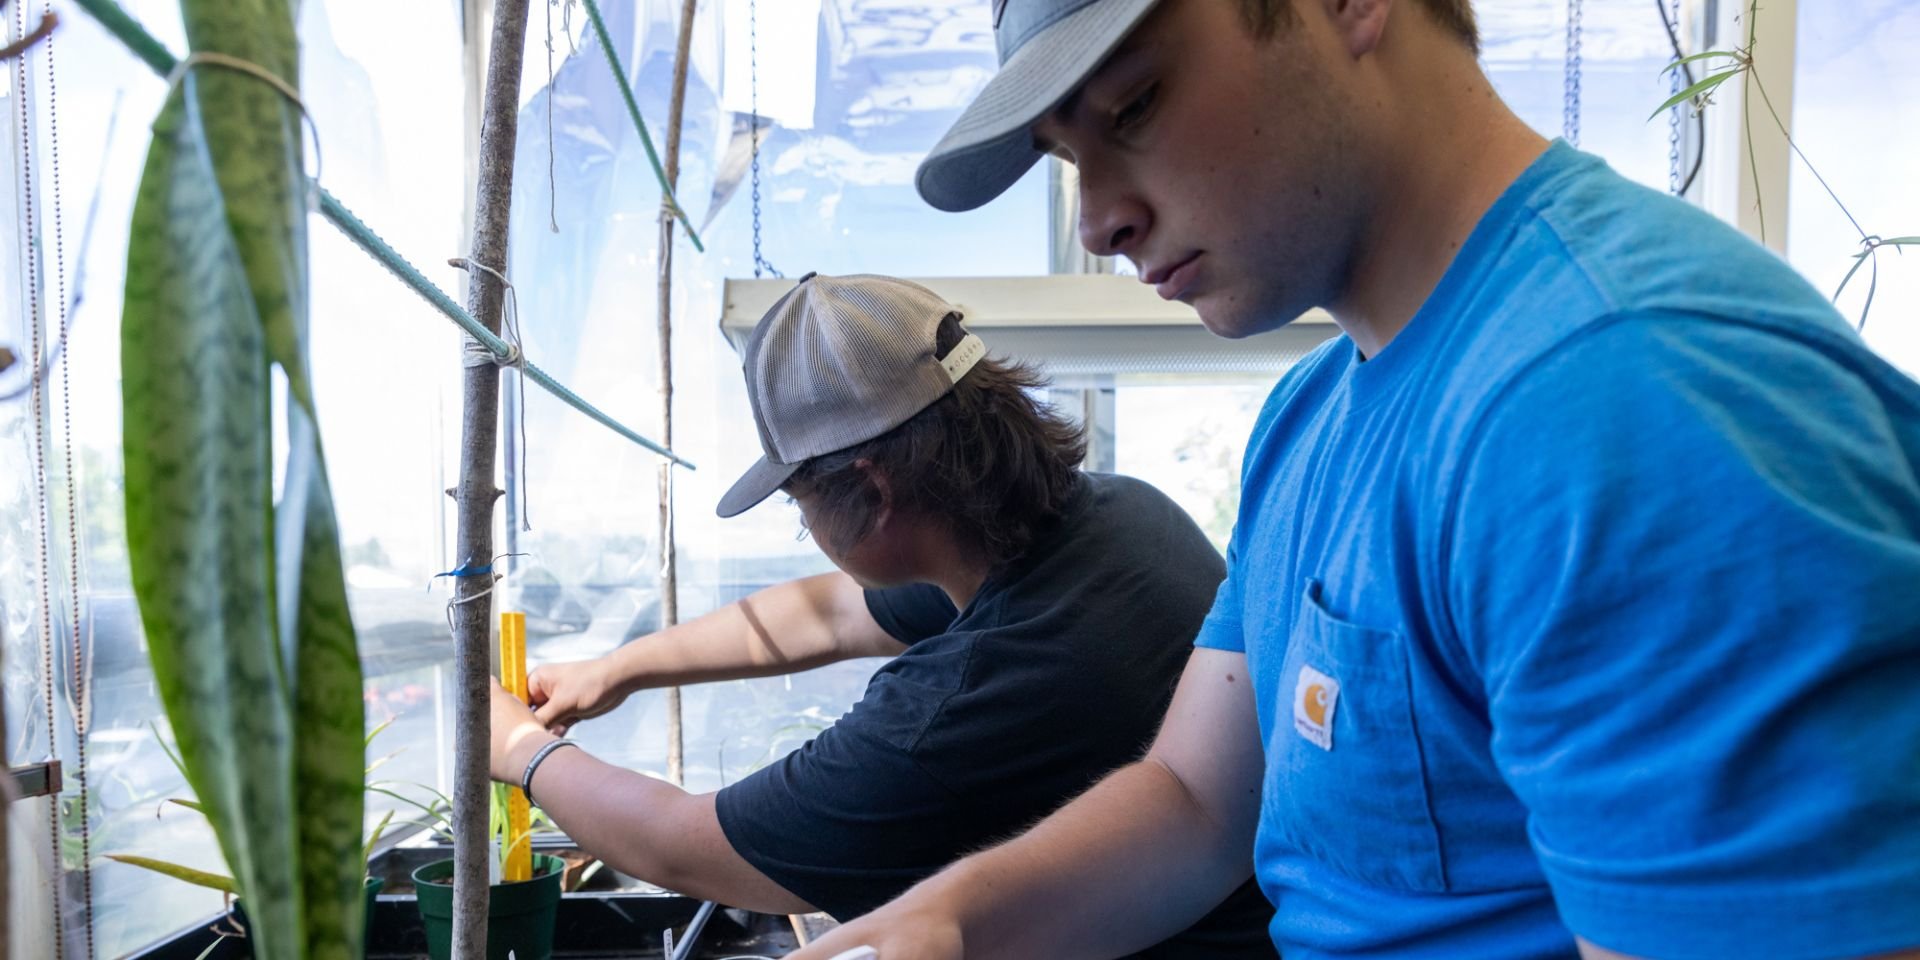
(858, 953)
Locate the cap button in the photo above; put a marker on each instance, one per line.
(810, 275)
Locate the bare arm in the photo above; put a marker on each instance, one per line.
(644, 827)
(785, 628)
(1136, 859)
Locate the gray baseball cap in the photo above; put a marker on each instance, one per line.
(1047, 49)
(839, 361)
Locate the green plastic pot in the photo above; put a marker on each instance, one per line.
(520, 916)
(374, 884)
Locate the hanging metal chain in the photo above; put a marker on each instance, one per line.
(77, 677)
(43, 509)
(553, 219)
(1673, 115)
(760, 264)
(1570, 122)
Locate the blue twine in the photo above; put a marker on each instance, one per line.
(464, 570)
(469, 570)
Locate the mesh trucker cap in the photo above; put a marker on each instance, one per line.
(1047, 49)
(839, 361)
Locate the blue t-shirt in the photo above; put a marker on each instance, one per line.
(1591, 605)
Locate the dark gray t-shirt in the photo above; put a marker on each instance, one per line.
(1058, 671)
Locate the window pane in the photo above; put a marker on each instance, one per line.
(890, 77)
(1186, 436)
(1856, 115)
(384, 89)
(105, 101)
(1623, 50)
(881, 83)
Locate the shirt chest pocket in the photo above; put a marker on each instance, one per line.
(1346, 784)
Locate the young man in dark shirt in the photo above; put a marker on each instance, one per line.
(1037, 618)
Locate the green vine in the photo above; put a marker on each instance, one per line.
(1700, 95)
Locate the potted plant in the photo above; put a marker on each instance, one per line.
(520, 914)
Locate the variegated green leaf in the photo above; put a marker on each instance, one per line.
(329, 713)
(199, 514)
(244, 601)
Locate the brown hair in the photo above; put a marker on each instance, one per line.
(1265, 16)
(987, 459)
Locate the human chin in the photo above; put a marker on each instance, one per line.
(1234, 318)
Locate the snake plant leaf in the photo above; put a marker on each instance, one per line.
(243, 600)
(199, 514)
(330, 753)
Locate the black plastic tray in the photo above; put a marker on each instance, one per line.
(625, 921)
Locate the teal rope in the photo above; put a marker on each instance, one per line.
(130, 32)
(633, 110)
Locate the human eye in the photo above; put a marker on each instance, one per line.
(1137, 109)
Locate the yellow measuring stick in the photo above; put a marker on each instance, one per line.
(513, 676)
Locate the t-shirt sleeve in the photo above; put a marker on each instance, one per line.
(845, 823)
(1683, 560)
(913, 612)
(1222, 629)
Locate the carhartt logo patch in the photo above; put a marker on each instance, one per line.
(1314, 697)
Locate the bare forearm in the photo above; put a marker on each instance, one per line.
(1135, 860)
(1132, 862)
(653, 830)
(783, 629)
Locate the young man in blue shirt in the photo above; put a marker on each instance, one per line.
(1574, 602)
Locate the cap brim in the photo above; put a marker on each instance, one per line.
(989, 147)
(757, 484)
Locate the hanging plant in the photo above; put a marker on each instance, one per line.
(242, 598)
(1721, 66)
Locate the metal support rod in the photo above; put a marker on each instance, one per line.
(472, 618)
(695, 927)
(669, 566)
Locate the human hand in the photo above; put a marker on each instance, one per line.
(899, 931)
(516, 735)
(564, 694)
